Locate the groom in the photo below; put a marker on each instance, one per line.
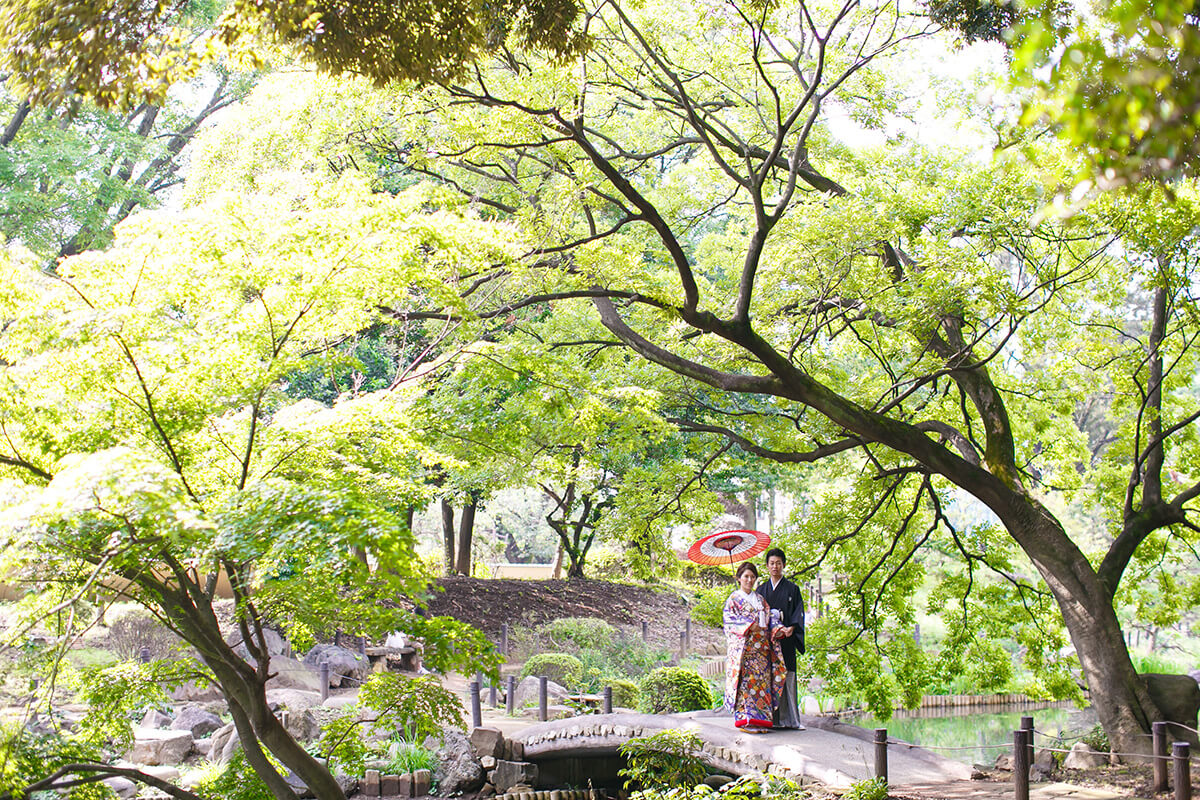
(784, 596)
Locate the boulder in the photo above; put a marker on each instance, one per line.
(198, 721)
(164, 772)
(196, 691)
(1083, 756)
(458, 771)
(311, 721)
(1178, 697)
(155, 719)
(296, 703)
(513, 773)
(1040, 773)
(292, 674)
(527, 692)
(153, 746)
(1004, 762)
(345, 667)
(487, 742)
(123, 787)
(223, 744)
(202, 747)
(717, 781)
(276, 646)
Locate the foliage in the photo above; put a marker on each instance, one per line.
(29, 756)
(1119, 83)
(585, 633)
(709, 608)
(625, 693)
(1151, 663)
(126, 53)
(117, 695)
(419, 707)
(1097, 739)
(747, 787)
(670, 690)
(867, 789)
(233, 781)
(665, 759)
(404, 756)
(136, 629)
(562, 668)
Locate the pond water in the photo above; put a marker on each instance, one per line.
(977, 737)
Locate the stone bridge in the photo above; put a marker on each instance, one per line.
(830, 752)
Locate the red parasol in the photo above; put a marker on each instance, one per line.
(723, 547)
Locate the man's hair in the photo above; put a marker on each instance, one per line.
(746, 565)
(775, 551)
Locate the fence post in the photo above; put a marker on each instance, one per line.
(476, 708)
(881, 765)
(682, 645)
(1159, 732)
(144, 654)
(1181, 757)
(543, 705)
(325, 681)
(607, 699)
(510, 698)
(1027, 725)
(687, 629)
(645, 631)
(493, 695)
(1020, 765)
(504, 640)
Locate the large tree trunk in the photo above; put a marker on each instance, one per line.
(466, 532)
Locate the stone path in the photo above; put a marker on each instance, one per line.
(833, 753)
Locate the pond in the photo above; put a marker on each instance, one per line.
(977, 737)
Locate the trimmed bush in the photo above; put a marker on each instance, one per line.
(562, 668)
(625, 693)
(668, 690)
(709, 608)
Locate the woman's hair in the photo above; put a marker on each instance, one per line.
(746, 565)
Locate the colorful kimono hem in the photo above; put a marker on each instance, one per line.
(754, 683)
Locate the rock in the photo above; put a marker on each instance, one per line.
(458, 769)
(510, 774)
(196, 692)
(155, 719)
(164, 772)
(295, 702)
(123, 787)
(153, 746)
(312, 720)
(1178, 697)
(339, 701)
(717, 781)
(197, 721)
(527, 692)
(202, 747)
(345, 667)
(293, 674)
(810, 705)
(1084, 757)
(1044, 758)
(487, 762)
(1040, 773)
(348, 783)
(404, 787)
(223, 744)
(487, 791)
(487, 742)
(276, 646)
(422, 780)
(1004, 762)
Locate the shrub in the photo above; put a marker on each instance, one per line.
(625, 693)
(868, 789)
(666, 759)
(710, 606)
(1097, 739)
(409, 757)
(138, 628)
(668, 690)
(236, 782)
(562, 668)
(583, 632)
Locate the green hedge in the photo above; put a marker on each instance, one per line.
(668, 690)
(563, 668)
(625, 693)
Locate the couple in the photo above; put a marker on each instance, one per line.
(764, 630)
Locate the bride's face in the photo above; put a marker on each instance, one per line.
(746, 581)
